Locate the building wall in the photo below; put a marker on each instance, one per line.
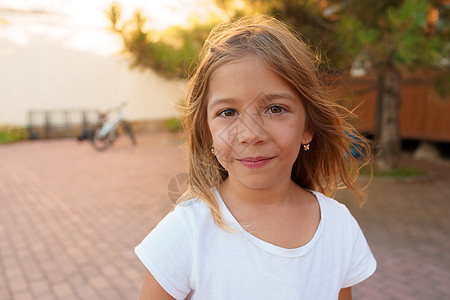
(52, 61)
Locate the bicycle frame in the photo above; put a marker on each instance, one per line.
(110, 125)
(106, 133)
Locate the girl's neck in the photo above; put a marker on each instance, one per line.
(253, 198)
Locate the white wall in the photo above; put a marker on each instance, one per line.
(52, 61)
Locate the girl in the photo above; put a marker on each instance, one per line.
(265, 145)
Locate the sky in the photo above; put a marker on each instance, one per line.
(83, 24)
(92, 12)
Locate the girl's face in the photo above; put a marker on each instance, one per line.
(256, 121)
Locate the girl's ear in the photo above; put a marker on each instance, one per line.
(307, 136)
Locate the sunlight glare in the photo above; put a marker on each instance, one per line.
(163, 14)
(82, 24)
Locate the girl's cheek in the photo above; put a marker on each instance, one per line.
(225, 140)
(222, 151)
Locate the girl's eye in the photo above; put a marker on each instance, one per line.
(227, 113)
(275, 109)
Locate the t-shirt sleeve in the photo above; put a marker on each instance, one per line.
(167, 253)
(362, 262)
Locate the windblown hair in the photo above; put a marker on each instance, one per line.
(327, 166)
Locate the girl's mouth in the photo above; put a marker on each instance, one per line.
(255, 162)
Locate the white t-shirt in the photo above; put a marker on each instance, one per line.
(192, 258)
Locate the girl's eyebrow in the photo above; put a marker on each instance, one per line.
(275, 96)
(260, 98)
(214, 102)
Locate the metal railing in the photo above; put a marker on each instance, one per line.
(44, 124)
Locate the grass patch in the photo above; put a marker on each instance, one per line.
(402, 172)
(11, 134)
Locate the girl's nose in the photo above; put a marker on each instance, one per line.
(252, 130)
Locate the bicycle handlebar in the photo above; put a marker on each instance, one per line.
(115, 108)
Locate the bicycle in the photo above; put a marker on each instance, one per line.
(107, 132)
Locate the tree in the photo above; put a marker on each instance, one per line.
(396, 36)
(392, 35)
(171, 53)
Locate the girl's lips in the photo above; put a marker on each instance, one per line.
(255, 162)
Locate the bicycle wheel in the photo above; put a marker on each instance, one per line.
(101, 142)
(130, 132)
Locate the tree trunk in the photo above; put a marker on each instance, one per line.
(388, 119)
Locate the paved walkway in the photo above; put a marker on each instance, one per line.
(70, 218)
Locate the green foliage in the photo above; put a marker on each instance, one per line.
(173, 124)
(11, 134)
(355, 37)
(171, 53)
(387, 32)
(396, 35)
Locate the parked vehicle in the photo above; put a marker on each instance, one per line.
(104, 135)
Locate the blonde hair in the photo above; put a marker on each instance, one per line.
(328, 165)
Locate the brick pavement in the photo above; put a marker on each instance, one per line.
(70, 218)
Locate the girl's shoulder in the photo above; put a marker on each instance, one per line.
(331, 208)
(193, 206)
(327, 201)
(189, 212)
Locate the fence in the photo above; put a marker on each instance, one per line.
(56, 124)
(424, 115)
